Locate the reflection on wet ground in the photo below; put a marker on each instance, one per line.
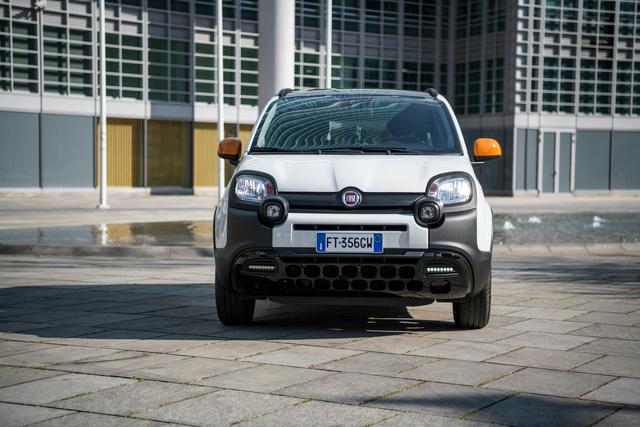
(509, 229)
(567, 228)
(197, 233)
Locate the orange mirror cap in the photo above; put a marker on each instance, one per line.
(486, 149)
(230, 148)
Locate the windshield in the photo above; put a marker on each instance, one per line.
(358, 124)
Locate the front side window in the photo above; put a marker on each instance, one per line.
(358, 124)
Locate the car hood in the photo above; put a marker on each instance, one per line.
(367, 172)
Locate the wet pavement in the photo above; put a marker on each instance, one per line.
(98, 341)
(576, 228)
(510, 229)
(179, 233)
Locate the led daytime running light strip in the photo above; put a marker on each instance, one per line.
(440, 269)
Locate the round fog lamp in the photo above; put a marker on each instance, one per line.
(428, 211)
(274, 209)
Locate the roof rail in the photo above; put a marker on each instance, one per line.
(284, 92)
(434, 93)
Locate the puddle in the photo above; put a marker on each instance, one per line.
(567, 228)
(509, 229)
(197, 233)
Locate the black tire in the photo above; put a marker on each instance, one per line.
(231, 308)
(473, 312)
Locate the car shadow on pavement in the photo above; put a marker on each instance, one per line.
(606, 276)
(138, 311)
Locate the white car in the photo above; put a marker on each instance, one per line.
(362, 197)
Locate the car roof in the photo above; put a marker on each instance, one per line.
(355, 92)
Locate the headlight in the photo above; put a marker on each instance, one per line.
(452, 189)
(252, 188)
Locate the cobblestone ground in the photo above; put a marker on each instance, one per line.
(136, 342)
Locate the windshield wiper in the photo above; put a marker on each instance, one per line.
(386, 150)
(370, 149)
(274, 150)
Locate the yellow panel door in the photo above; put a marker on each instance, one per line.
(124, 152)
(167, 154)
(205, 160)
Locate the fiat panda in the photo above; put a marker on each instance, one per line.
(362, 197)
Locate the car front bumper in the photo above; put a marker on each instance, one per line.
(450, 268)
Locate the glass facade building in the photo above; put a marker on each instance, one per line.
(557, 82)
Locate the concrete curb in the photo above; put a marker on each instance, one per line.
(107, 251)
(170, 252)
(568, 249)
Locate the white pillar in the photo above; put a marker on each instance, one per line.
(276, 26)
(103, 112)
(329, 42)
(219, 66)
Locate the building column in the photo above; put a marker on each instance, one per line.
(276, 26)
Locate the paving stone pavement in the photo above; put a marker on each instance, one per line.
(136, 342)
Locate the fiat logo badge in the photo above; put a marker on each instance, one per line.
(351, 198)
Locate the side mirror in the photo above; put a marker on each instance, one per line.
(486, 149)
(230, 149)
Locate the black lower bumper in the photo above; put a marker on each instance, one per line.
(426, 275)
(451, 269)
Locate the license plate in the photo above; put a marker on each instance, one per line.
(349, 242)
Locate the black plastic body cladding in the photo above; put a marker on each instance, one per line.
(453, 242)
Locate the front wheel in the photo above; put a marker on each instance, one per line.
(231, 308)
(473, 312)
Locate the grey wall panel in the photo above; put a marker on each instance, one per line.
(67, 151)
(521, 156)
(531, 181)
(19, 150)
(625, 155)
(548, 161)
(592, 160)
(564, 179)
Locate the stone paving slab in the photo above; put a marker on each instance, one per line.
(460, 372)
(620, 366)
(232, 349)
(321, 414)
(547, 341)
(534, 410)
(377, 364)
(610, 346)
(555, 383)
(120, 362)
(219, 408)
(59, 387)
(546, 325)
(462, 350)
(147, 349)
(264, 378)
(13, 415)
(84, 419)
(132, 398)
(621, 390)
(547, 359)
(10, 375)
(407, 419)
(346, 387)
(625, 417)
(190, 370)
(301, 356)
(441, 399)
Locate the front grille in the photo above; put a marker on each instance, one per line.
(331, 202)
(324, 276)
(345, 227)
(308, 274)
